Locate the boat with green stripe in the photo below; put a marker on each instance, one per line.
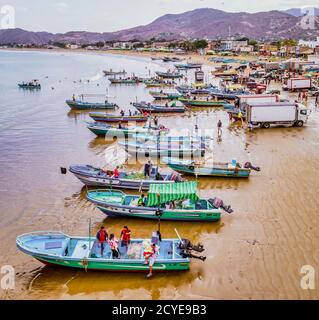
(217, 169)
(168, 202)
(192, 102)
(56, 248)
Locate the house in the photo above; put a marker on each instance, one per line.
(232, 45)
(309, 43)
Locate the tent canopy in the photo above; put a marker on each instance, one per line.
(162, 193)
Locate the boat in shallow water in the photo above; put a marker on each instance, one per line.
(191, 102)
(169, 75)
(217, 169)
(56, 248)
(160, 95)
(92, 176)
(106, 117)
(83, 105)
(152, 108)
(177, 201)
(104, 129)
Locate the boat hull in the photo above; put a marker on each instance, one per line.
(78, 105)
(116, 211)
(211, 172)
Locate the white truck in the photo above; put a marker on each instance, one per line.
(299, 83)
(278, 113)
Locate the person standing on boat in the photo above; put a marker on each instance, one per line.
(125, 236)
(147, 169)
(73, 97)
(156, 121)
(150, 258)
(122, 113)
(219, 128)
(116, 173)
(113, 242)
(102, 236)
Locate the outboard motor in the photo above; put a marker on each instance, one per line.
(218, 203)
(187, 249)
(248, 165)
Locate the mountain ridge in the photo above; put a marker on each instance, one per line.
(272, 24)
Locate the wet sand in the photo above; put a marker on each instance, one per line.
(254, 253)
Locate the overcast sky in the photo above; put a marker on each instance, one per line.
(111, 15)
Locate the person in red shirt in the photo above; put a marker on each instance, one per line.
(116, 172)
(126, 236)
(102, 236)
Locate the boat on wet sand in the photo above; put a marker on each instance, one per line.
(106, 117)
(177, 201)
(217, 169)
(98, 177)
(56, 248)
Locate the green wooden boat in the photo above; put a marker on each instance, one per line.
(168, 202)
(56, 248)
(217, 169)
(202, 103)
(159, 95)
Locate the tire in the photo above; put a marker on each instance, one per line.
(266, 125)
(299, 123)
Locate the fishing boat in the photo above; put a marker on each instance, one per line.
(113, 73)
(169, 75)
(106, 130)
(34, 84)
(124, 81)
(159, 83)
(218, 169)
(80, 104)
(184, 148)
(192, 102)
(106, 117)
(98, 177)
(160, 95)
(56, 248)
(178, 201)
(189, 65)
(171, 59)
(147, 107)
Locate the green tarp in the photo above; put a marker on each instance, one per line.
(163, 193)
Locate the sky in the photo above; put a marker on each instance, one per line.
(112, 15)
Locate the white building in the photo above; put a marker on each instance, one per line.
(311, 44)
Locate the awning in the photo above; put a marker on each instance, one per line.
(163, 193)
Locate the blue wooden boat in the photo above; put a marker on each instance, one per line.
(217, 169)
(98, 177)
(152, 108)
(56, 248)
(82, 105)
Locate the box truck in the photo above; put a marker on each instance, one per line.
(278, 113)
(298, 83)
